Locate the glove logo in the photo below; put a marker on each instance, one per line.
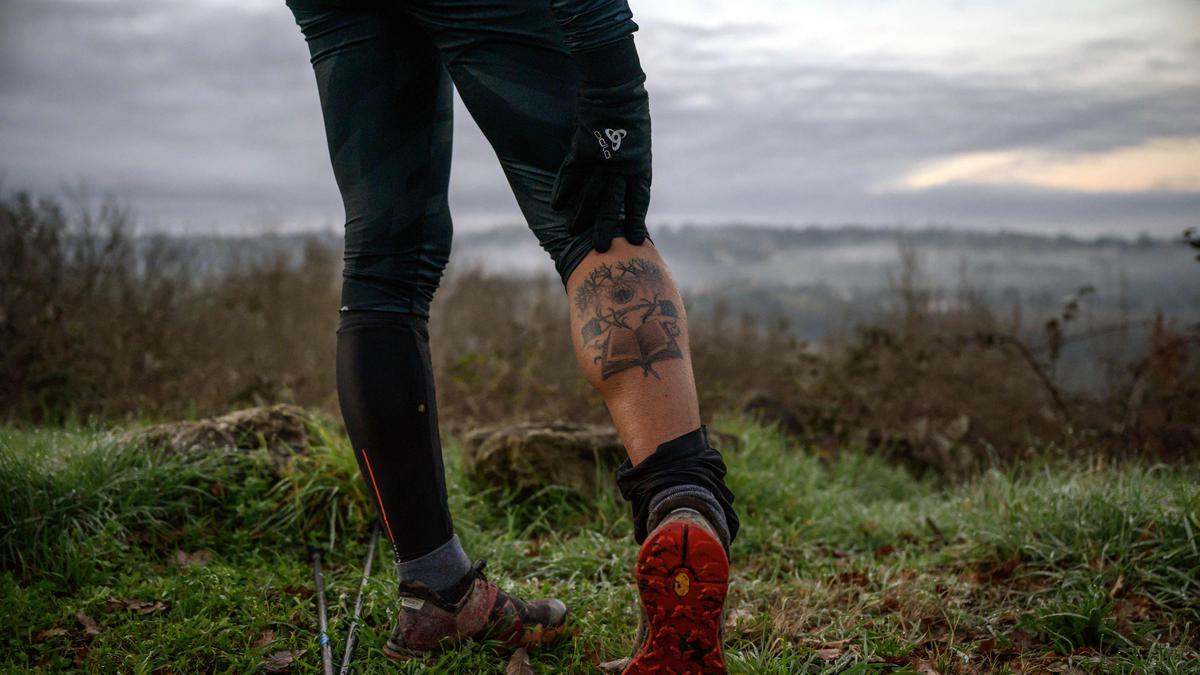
(613, 144)
(616, 136)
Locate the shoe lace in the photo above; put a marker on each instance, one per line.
(477, 569)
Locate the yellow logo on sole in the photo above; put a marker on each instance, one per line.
(682, 584)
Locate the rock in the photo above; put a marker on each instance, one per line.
(939, 445)
(530, 456)
(282, 429)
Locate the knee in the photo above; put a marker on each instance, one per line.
(400, 280)
(361, 293)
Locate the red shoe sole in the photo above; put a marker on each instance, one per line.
(682, 576)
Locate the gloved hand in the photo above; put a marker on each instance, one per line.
(605, 178)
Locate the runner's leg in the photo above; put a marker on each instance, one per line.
(387, 105)
(518, 81)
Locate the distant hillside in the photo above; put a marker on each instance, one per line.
(827, 278)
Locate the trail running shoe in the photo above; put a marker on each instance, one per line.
(682, 576)
(428, 624)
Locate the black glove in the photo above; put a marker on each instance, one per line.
(605, 178)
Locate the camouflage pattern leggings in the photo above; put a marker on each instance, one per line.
(385, 71)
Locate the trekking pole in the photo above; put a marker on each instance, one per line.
(358, 601)
(326, 649)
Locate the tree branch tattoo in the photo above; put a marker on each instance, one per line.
(631, 325)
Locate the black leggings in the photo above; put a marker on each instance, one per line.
(385, 71)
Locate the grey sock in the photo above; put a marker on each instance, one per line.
(689, 497)
(439, 569)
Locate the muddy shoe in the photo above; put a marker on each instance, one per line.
(682, 576)
(428, 624)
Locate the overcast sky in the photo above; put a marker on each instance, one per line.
(1073, 115)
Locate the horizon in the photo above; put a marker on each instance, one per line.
(141, 229)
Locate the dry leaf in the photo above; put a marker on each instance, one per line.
(145, 606)
(281, 660)
(301, 621)
(196, 558)
(267, 637)
(1134, 608)
(1064, 667)
(89, 624)
(738, 619)
(50, 633)
(836, 644)
(851, 578)
(519, 664)
(829, 654)
(302, 591)
(135, 605)
(923, 667)
(616, 665)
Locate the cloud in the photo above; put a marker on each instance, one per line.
(1167, 164)
(813, 143)
(815, 140)
(202, 116)
(205, 115)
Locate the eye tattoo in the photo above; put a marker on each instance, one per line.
(630, 325)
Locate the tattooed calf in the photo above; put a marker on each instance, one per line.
(630, 325)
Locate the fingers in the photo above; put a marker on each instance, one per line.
(566, 187)
(637, 205)
(608, 217)
(604, 204)
(587, 204)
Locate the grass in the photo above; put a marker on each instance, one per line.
(117, 560)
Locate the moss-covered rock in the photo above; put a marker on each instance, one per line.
(530, 456)
(284, 430)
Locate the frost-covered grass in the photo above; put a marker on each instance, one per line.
(117, 560)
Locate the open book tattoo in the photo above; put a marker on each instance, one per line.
(630, 325)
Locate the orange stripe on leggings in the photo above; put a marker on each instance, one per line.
(377, 497)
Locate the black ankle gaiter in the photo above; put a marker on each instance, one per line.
(687, 460)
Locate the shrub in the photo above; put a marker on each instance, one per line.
(95, 321)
